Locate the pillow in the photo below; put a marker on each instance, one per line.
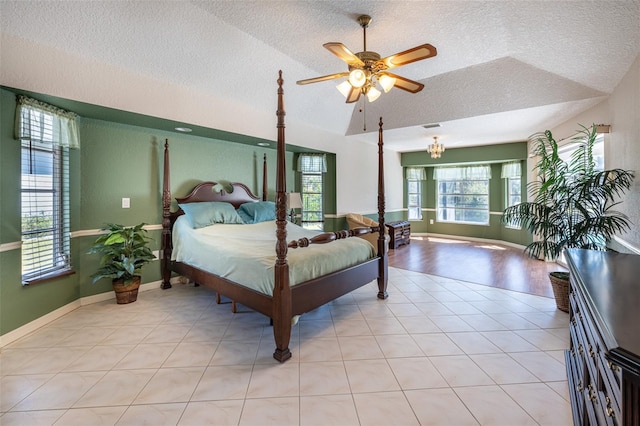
(257, 212)
(210, 212)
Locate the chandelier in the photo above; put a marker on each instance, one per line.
(435, 149)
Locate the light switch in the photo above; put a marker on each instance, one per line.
(430, 221)
(126, 203)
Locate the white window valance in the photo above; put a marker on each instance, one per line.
(511, 170)
(47, 124)
(312, 163)
(415, 173)
(482, 172)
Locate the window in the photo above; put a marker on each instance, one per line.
(312, 167)
(511, 173)
(567, 150)
(414, 177)
(45, 133)
(463, 194)
(414, 203)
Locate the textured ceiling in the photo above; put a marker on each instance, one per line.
(504, 69)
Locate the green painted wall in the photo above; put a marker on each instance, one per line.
(330, 190)
(469, 155)
(494, 155)
(115, 160)
(20, 304)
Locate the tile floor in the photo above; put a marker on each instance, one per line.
(437, 352)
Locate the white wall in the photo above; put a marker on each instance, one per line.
(622, 111)
(43, 69)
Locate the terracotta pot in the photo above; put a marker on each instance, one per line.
(126, 293)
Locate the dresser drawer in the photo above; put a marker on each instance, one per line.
(608, 415)
(574, 382)
(611, 385)
(577, 353)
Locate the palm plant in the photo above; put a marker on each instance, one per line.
(573, 203)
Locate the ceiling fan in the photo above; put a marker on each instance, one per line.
(367, 69)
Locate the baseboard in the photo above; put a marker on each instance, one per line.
(19, 332)
(627, 245)
(111, 295)
(464, 238)
(32, 326)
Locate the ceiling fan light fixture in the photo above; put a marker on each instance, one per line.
(357, 78)
(367, 68)
(373, 94)
(344, 88)
(386, 82)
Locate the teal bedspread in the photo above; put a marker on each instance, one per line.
(246, 254)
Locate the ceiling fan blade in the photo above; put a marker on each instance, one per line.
(406, 84)
(417, 53)
(354, 95)
(341, 51)
(323, 78)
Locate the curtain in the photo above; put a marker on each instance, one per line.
(511, 170)
(41, 122)
(415, 173)
(312, 163)
(462, 173)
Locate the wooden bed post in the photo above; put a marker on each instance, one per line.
(281, 314)
(382, 249)
(265, 189)
(165, 253)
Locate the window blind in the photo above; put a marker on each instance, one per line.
(481, 172)
(415, 173)
(511, 170)
(312, 163)
(45, 133)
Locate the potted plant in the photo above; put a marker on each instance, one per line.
(124, 252)
(573, 204)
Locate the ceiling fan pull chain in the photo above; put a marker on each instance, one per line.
(363, 110)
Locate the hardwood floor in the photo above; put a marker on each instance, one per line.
(477, 262)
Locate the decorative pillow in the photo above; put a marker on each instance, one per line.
(209, 212)
(257, 212)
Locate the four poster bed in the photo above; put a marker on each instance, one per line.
(284, 284)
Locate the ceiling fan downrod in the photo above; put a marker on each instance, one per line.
(364, 21)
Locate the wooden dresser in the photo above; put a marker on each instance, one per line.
(399, 233)
(603, 362)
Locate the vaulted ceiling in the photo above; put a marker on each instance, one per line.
(504, 69)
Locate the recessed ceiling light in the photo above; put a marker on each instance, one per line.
(183, 129)
(264, 144)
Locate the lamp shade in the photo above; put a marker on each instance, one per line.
(386, 82)
(294, 201)
(344, 88)
(357, 78)
(373, 94)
